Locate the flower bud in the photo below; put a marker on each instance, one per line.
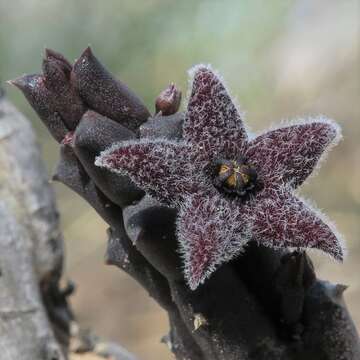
(168, 102)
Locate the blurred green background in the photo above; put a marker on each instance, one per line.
(281, 58)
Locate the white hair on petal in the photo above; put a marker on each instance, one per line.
(192, 72)
(312, 206)
(210, 228)
(162, 168)
(213, 219)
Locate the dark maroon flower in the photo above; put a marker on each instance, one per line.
(217, 155)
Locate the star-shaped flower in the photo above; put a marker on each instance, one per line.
(229, 187)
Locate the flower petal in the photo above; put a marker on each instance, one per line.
(213, 123)
(210, 233)
(162, 168)
(290, 154)
(280, 219)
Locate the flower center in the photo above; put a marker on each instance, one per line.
(234, 177)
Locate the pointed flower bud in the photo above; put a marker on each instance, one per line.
(168, 102)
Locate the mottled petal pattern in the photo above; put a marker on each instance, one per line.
(213, 124)
(210, 233)
(289, 155)
(161, 167)
(280, 219)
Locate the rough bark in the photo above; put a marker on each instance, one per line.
(36, 322)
